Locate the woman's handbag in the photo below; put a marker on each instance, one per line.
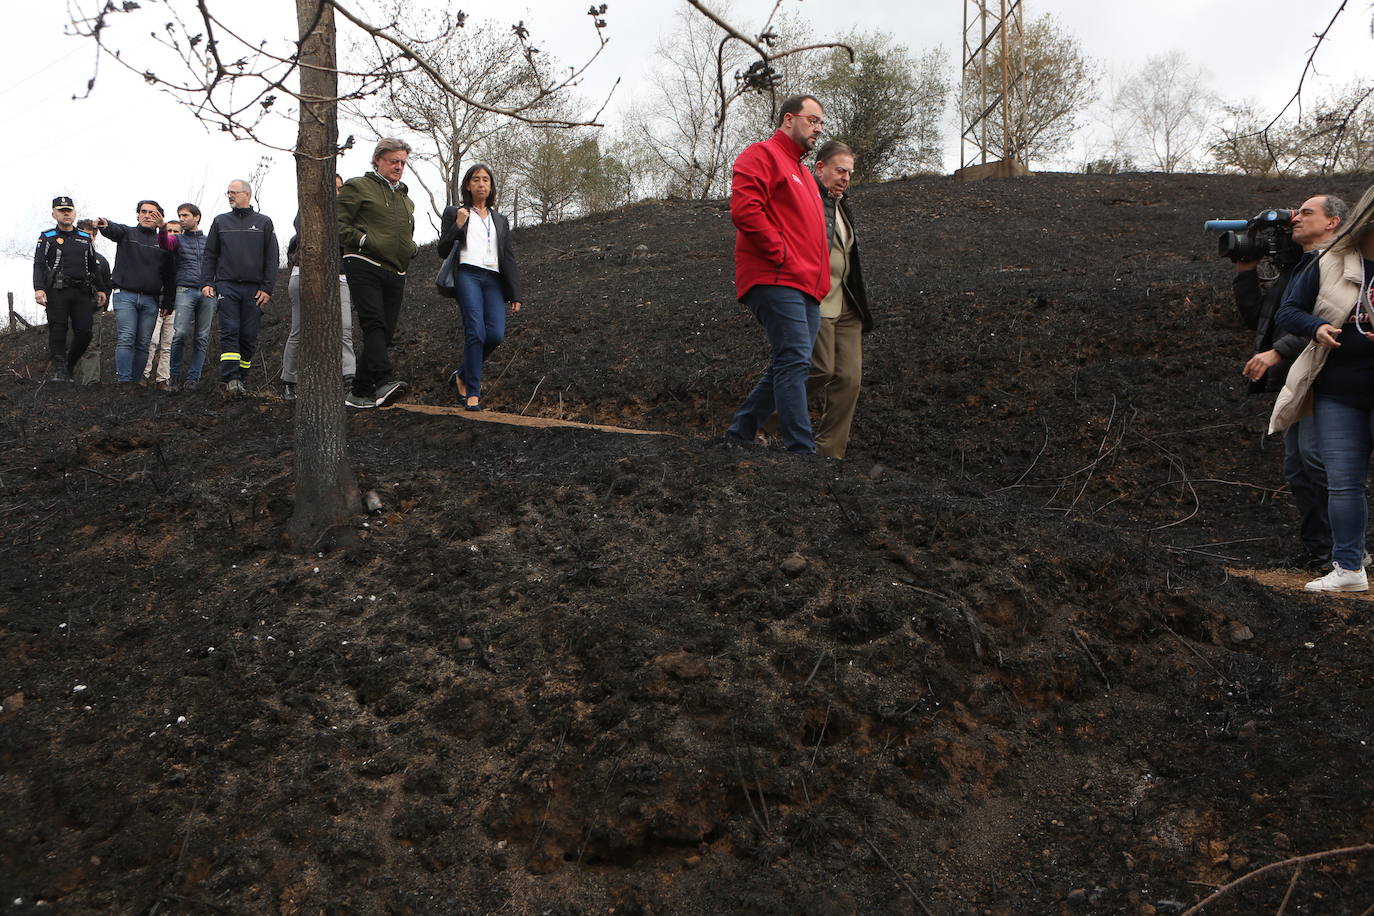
(444, 281)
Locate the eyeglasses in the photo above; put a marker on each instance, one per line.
(812, 120)
(232, 193)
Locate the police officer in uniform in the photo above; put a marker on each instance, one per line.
(68, 283)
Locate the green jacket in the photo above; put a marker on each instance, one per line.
(376, 223)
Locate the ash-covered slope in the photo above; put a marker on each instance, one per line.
(991, 664)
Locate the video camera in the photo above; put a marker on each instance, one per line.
(1268, 236)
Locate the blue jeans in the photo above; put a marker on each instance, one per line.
(484, 320)
(1346, 437)
(1306, 476)
(135, 315)
(194, 313)
(790, 318)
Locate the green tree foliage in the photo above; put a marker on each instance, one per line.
(886, 104)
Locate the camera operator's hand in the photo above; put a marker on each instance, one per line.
(1242, 266)
(1261, 363)
(1328, 336)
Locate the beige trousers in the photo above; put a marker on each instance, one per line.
(160, 349)
(835, 378)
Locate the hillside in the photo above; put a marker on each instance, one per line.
(997, 662)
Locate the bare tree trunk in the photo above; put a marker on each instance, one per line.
(326, 488)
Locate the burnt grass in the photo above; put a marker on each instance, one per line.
(997, 662)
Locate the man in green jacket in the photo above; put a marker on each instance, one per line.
(376, 232)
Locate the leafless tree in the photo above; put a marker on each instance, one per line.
(488, 63)
(676, 120)
(1168, 106)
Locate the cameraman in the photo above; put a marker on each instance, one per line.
(1314, 225)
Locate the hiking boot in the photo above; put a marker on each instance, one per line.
(191, 385)
(1340, 580)
(235, 389)
(288, 391)
(59, 374)
(360, 401)
(390, 392)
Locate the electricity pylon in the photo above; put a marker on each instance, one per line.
(994, 80)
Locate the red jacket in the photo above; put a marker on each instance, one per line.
(780, 220)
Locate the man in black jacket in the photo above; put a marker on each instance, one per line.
(69, 284)
(145, 277)
(1314, 225)
(239, 269)
(837, 357)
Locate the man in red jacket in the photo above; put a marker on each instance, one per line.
(782, 269)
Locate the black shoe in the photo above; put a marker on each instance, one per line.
(460, 390)
(288, 391)
(59, 374)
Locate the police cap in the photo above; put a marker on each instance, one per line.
(63, 203)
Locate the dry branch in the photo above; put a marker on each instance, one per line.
(1361, 850)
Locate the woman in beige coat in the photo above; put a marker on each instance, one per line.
(1328, 301)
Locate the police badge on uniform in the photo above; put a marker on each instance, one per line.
(61, 240)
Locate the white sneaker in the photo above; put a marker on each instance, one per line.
(1340, 580)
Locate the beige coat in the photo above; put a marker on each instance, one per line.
(1341, 281)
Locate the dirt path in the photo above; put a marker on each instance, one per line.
(1289, 581)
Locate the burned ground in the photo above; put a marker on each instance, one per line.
(995, 662)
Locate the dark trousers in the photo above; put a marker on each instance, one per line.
(1306, 476)
(239, 321)
(74, 306)
(377, 294)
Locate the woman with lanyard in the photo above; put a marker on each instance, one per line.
(1329, 301)
(485, 278)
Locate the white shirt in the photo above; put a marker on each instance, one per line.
(480, 248)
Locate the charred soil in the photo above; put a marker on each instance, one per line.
(996, 662)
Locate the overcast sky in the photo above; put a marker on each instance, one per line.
(127, 141)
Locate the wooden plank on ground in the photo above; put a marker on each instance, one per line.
(511, 419)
